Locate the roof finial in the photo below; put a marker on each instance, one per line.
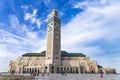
(54, 12)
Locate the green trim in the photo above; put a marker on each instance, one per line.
(99, 66)
(66, 54)
(55, 19)
(35, 54)
(63, 54)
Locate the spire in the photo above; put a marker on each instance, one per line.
(54, 13)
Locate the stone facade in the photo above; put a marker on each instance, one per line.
(53, 51)
(53, 60)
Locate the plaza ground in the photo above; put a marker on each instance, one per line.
(9, 76)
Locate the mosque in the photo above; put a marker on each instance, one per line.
(53, 60)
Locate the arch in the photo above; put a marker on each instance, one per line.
(64, 70)
(67, 69)
(58, 70)
(46, 69)
(52, 69)
(24, 70)
(83, 67)
(27, 70)
(61, 69)
(92, 69)
(36, 63)
(74, 70)
(35, 69)
(22, 67)
(22, 63)
(13, 67)
(71, 70)
(30, 70)
(38, 71)
(77, 70)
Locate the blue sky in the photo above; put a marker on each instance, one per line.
(91, 27)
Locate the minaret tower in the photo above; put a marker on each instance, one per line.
(53, 52)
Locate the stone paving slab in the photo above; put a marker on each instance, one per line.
(78, 77)
(61, 77)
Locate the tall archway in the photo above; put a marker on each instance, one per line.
(30, 70)
(76, 70)
(70, 70)
(22, 67)
(52, 69)
(57, 69)
(92, 69)
(13, 67)
(67, 69)
(83, 68)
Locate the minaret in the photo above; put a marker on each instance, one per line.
(53, 52)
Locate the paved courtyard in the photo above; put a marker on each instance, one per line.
(67, 77)
(78, 77)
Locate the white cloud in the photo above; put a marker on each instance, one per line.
(13, 46)
(16, 26)
(83, 4)
(25, 7)
(23, 40)
(99, 22)
(48, 16)
(33, 18)
(92, 25)
(22, 29)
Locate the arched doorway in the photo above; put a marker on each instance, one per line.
(52, 69)
(58, 70)
(67, 69)
(13, 67)
(46, 69)
(76, 70)
(92, 69)
(70, 70)
(30, 70)
(82, 69)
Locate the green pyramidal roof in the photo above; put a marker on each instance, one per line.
(63, 54)
(99, 66)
